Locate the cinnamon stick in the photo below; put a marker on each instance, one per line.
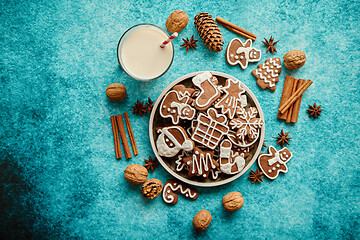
(123, 136)
(236, 29)
(286, 94)
(131, 134)
(290, 110)
(295, 96)
(116, 137)
(296, 105)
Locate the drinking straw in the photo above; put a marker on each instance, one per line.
(174, 35)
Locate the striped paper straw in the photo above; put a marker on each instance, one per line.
(174, 35)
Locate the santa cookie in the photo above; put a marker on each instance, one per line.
(171, 140)
(209, 92)
(175, 107)
(267, 73)
(273, 162)
(241, 53)
(200, 163)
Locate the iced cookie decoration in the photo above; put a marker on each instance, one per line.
(176, 107)
(233, 96)
(172, 186)
(210, 128)
(274, 161)
(230, 162)
(267, 73)
(200, 163)
(183, 91)
(241, 53)
(209, 92)
(248, 126)
(171, 140)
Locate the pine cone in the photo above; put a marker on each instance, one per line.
(209, 32)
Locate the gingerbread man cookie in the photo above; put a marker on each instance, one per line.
(233, 96)
(172, 186)
(248, 126)
(267, 73)
(241, 53)
(210, 128)
(171, 140)
(175, 107)
(209, 92)
(200, 163)
(273, 162)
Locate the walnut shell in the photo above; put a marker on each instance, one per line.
(136, 174)
(202, 220)
(233, 201)
(294, 59)
(177, 21)
(152, 188)
(116, 91)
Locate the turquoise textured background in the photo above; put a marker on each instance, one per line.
(58, 174)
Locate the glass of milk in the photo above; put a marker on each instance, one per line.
(140, 55)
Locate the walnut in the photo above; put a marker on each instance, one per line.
(202, 220)
(152, 188)
(177, 21)
(233, 201)
(116, 91)
(136, 174)
(294, 59)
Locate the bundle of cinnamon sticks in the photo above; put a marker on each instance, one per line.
(291, 98)
(236, 29)
(118, 126)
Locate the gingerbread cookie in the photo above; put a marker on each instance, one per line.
(230, 162)
(209, 92)
(175, 107)
(200, 163)
(241, 53)
(183, 91)
(171, 140)
(210, 128)
(248, 126)
(267, 73)
(273, 162)
(233, 96)
(172, 186)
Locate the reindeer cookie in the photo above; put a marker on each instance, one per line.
(209, 92)
(273, 162)
(241, 53)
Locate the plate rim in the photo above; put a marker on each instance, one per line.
(173, 173)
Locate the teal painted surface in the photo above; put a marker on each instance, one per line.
(59, 177)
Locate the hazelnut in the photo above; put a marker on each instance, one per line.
(152, 188)
(136, 174)
(202, 220)
(116, 91)
(177, 21)
(233, 201)
(294, 59)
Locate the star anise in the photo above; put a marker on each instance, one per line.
(139, 108)
(283, 138)
(149, 105)
(150, 164)
(314, 111)
(189, 43)
(264, 145)
(256, 176)
(270, 44)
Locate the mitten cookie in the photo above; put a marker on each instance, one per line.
(267, 73)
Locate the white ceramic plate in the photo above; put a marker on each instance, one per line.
(169, 163)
